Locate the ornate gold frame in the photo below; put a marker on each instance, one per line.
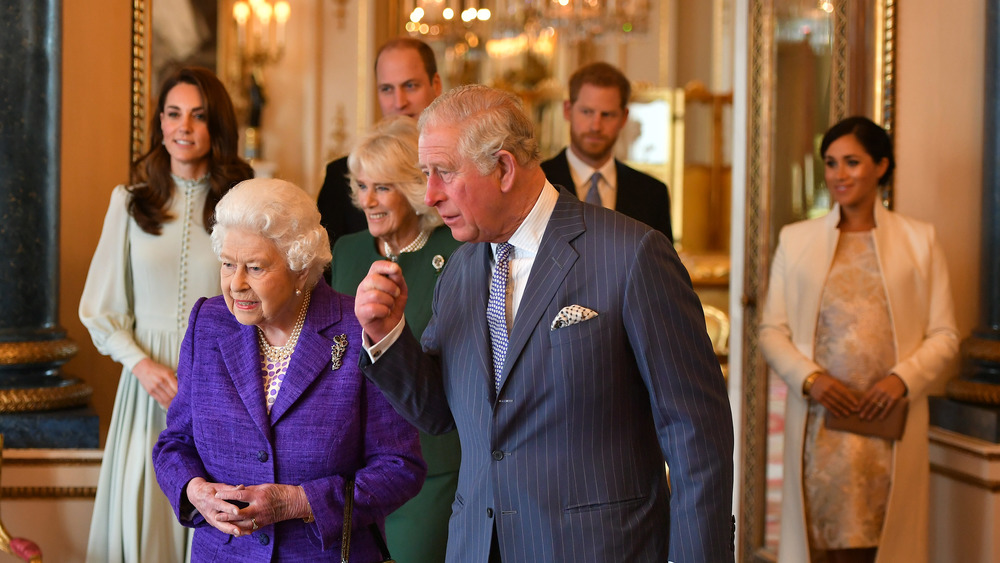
(141, 22)
(760, 118)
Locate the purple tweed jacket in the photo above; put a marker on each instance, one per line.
(327, 425)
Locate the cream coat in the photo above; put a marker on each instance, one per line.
(926, 341)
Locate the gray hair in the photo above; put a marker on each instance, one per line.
(388, 154)
(489, 120)
(280, 212)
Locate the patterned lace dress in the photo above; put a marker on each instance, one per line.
(847, 476)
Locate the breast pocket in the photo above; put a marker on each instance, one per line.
(583, 330)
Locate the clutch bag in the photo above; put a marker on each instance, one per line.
(891, 427)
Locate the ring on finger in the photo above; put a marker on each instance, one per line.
(254, 522)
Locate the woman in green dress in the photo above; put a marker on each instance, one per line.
(387, 185)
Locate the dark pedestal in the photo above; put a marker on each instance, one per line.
(978, 421)
(66, 428)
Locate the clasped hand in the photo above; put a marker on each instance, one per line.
(874, 404)
(261, 504)
(158, 380)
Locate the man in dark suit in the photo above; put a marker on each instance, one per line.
(568, 349)
(406, 80)
(597, 110)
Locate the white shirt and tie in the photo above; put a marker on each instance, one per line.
(582, 174)
(526, 241)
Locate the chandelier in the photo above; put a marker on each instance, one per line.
(572, 18)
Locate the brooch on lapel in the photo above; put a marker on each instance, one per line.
(438, 263)
(337, 351)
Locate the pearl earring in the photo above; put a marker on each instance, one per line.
(298, 292)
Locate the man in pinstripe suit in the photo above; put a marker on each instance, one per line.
(608, 369)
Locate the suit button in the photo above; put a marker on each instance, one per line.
(263, 539)
(261, 456)
(489, 513)
(497, 455)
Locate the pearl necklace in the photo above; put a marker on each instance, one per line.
(279, 354)
(414, 246)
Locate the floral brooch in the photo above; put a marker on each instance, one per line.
(337, 351)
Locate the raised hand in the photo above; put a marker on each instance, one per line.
(380, 300)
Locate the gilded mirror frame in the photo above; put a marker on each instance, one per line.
(761, 112)
(142, 17)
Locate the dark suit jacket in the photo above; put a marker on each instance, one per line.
(640, 196)
(567, 459)
(339, 216)
(326, 425)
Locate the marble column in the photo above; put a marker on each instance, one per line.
(974, 408)
(38, 407)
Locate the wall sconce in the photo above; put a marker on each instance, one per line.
(260, 29)
(260, 41)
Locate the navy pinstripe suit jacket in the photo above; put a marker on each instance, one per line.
(567, 459)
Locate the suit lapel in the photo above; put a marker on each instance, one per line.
(624, 203)
(312, 353)
(554, 260)
(563, 177)
(242, 358)
(894, 265)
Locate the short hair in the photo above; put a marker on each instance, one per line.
(281, 212)
(488, 120)
(874, 139)
(600, 74)
(422, 49)
(388, 154)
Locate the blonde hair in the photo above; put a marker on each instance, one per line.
(389, 154)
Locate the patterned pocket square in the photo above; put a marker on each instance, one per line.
(572, 314)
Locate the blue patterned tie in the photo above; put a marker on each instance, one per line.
(496, 309)
(594, 196)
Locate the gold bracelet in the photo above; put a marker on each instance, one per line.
(808, 383)
(308, 519)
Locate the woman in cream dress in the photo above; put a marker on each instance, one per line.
(153, 261)
(858, 316)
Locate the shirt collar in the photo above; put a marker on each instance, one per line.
(581, 171)
(528, 236)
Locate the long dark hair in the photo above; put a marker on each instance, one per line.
(151, 185)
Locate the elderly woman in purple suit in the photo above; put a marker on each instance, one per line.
(272, 417)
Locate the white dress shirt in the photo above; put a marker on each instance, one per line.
(581, 172)
(525, 240)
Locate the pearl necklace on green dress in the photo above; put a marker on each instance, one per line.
(414, 246)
